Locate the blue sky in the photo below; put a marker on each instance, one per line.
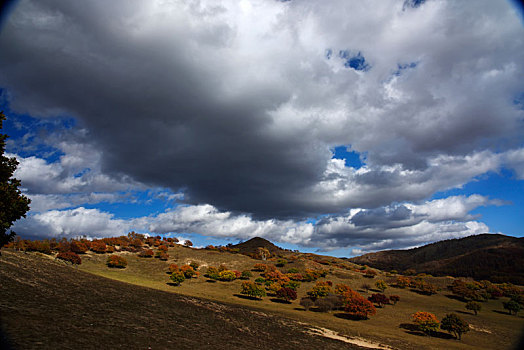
(400, 126)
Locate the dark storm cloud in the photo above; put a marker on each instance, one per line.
(236, 104)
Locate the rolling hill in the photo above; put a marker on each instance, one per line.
(494, 257)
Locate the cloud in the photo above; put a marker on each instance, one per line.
(72, 223)
(361, 230)
(238, 106)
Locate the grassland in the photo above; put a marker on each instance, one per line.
(493, 328)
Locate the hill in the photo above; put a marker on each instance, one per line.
(493, 257)
(47, 305)
(251, 246)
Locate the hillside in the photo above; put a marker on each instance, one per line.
(46, 302)
(494, 257)
(47, 305)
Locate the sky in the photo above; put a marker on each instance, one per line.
(336, 126)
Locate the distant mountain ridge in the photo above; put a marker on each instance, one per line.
(494, 257)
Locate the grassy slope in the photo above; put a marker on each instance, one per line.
(492, 328)
(48, 305)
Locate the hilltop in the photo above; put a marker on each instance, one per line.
(493, 257)
(251, 246)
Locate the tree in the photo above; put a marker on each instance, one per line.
(306, 302)
(357, 306)
(252, 289)
(454, 325)
(116, 261)
(286, 294)
(379, 299)
(473, 306)
(72, 257)
(321, 289)
(426, 322)
(188, 243)
(512, 306)
(13, 204)
(394, 298)
(263, 253)
(381, 285)
(177, 277)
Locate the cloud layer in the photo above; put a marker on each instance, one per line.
(237, 104)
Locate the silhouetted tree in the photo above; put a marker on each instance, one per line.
(13, 204)
(454, 325)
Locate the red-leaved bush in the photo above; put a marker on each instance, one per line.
(116, 261)
(73, 258)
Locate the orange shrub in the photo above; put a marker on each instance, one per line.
(72, 257)
(98, 247)
(116, 261)
(426, 322)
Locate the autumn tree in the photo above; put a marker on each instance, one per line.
(426, 322)
(13, 204)
(394, 299)
(73, 258)
(381, 285)
(286, 294)
(252, 289)
(321, 289)
(379, 299)
(263, 253)
(357, 306)
(177, 277)
(454, 325)
(116, 261)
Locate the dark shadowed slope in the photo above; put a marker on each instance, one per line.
(494, 257)
(47, 305)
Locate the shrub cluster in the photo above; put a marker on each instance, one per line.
(116, 261)
(72, 257)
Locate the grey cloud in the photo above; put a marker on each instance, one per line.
(242, 116)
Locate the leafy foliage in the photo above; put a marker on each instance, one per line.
(426, 322)
(512, 306)
(146, 253)
(13, 204)
(72, 257)
(78, 247)
(187, 271)
(252, 289)
(381, 285)
(357, 306)
(321, 289)
(116, 261)
(394, 299)
(246, 274)
(455, 325)
(473, 306)
(379, 299)
(177, 277)
(286, 294)
(227, 275)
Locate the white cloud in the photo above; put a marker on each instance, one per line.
(398, 226)
(235, 107)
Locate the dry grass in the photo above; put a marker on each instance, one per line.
(491, 329)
